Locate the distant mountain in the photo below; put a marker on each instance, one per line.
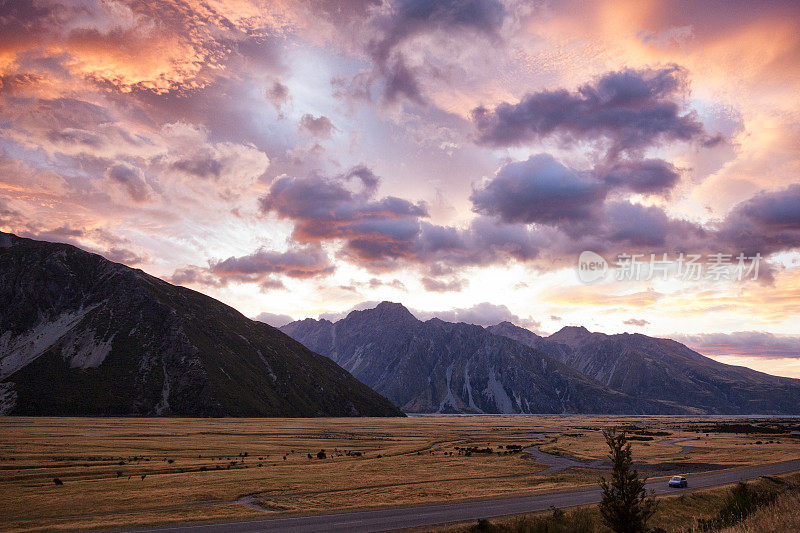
(80, 335)
(663, 369)
(437, 366)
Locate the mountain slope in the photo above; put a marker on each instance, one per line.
(663, 369)
(80, 335)
(438, 366)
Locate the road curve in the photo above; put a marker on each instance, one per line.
(442, 513)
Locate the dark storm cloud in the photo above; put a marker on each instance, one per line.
(409, 18)
(301, 263)
(539, 190)
(631, 109)
(321, 126)
(648, 176)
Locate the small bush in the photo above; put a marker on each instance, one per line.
(321, 454)
(742, 501)
(57, 481)
(578, 521)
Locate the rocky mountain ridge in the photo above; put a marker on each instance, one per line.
(81, 335)
(437, 366)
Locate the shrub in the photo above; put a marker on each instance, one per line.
(321, 454)
(741, 501)
(578, 521)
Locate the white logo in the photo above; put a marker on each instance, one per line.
(591, 267)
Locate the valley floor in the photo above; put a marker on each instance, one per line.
(138, 472)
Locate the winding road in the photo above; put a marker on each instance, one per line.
(441, 513)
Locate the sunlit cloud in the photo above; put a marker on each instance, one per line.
(457, 156)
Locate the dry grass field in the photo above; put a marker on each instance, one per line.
(128, 472)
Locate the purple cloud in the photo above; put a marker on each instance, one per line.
(631, 109)
(324, 208)
(321, 126)
(539, 190)
(482, 314)
(438, 285)
(409, 18)
(301, 263)
(648, 176)
(744, 344)
(766, 223)
(274, 320)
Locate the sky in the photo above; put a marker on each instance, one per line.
(302, 159)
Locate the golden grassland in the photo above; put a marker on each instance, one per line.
(128, 472)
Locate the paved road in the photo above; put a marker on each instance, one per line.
(441, 513)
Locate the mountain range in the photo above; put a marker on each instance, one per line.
(81, 335)
(443, 367)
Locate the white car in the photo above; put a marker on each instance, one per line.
(678, 482)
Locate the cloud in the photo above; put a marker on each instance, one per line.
(630, 109)
(125, 256)
(338, 315)
(744, 344)
(539, 190)
(194, 275)
(482, 314)
(271, 284)
(437, 285)
(324, 208)
(638, 322)
(766, 223)
(648, 176)
(636, 225)
(407, 19)
(320, 127)
(203, 164)
(307, 262)
(132, 179)
(174, 48)
(274, 320)
(278, 95)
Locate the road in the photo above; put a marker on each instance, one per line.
(442, 513)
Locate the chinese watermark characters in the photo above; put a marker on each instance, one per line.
(683, 266)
